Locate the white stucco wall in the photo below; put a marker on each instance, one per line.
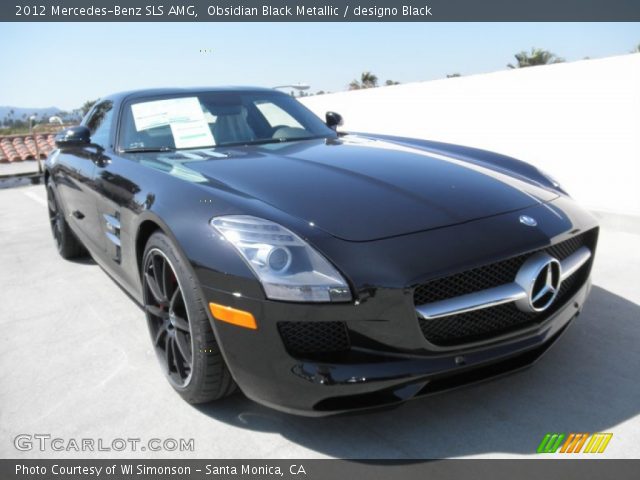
(579, 121)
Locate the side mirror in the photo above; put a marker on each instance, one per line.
(79, 136)
(333, 120)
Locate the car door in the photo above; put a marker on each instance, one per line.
(75, 176)
(72, 176)
(117, 205)
(99, 122)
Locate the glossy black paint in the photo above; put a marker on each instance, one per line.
(388, 212)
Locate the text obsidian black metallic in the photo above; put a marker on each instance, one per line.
(319, 272)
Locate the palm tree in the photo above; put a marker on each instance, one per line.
(537, 56)
(367, 80)
(637, 50)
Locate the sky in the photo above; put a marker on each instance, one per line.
(64, 64)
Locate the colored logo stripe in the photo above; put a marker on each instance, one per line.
(550, 443)
(574, 442)
(598, 442)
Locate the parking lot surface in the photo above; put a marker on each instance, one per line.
(76, 363)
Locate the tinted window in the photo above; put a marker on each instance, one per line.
(276, 116)
(217, 119)
(99, 123)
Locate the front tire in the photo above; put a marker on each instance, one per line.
(180, 331)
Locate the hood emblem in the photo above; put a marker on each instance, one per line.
(528, 221)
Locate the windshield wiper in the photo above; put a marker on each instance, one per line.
(230, 144)
(269, 140)
(146, 149)
(249, 142)
(295, 139)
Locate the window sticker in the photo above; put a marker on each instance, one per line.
(192, 134)
(163, 112)
(183, 115)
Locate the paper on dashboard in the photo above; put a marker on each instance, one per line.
(192, 134)
(159, 113)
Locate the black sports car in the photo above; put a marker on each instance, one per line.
(318, 271)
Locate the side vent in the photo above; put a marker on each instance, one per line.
(112, 232)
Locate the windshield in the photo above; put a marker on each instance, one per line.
(205, 120)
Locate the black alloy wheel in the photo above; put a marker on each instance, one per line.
(168, 318)
(180, 328)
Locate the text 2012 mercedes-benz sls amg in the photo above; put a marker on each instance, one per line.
(318, 271)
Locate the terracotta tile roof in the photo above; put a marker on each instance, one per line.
(17, 148)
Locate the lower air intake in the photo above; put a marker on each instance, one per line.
(313, 338)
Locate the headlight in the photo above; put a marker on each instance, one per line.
(288, 268)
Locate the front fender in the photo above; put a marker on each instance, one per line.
(495, 161)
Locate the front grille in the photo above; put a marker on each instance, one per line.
(486, 323)
(313, 338)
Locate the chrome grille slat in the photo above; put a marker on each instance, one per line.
(509, 292)
(502, 317)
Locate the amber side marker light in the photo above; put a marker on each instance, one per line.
(233, 316)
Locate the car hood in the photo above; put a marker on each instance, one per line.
(360, 189)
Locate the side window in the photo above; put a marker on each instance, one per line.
(99, 123)
(276, 116)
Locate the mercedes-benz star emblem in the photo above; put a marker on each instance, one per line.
(546, 286)
(540, 277)
(528, 221)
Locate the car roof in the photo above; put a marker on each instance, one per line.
(153, 92)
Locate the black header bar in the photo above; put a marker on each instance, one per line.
(318, 469)
(320, 11)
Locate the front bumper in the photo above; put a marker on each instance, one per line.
(390, 359)
(365, 378)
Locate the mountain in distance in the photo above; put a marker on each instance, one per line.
(42, 114)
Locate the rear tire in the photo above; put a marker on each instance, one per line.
(179, 326)
(67, 243)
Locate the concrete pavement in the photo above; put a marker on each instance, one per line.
(76, 362)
